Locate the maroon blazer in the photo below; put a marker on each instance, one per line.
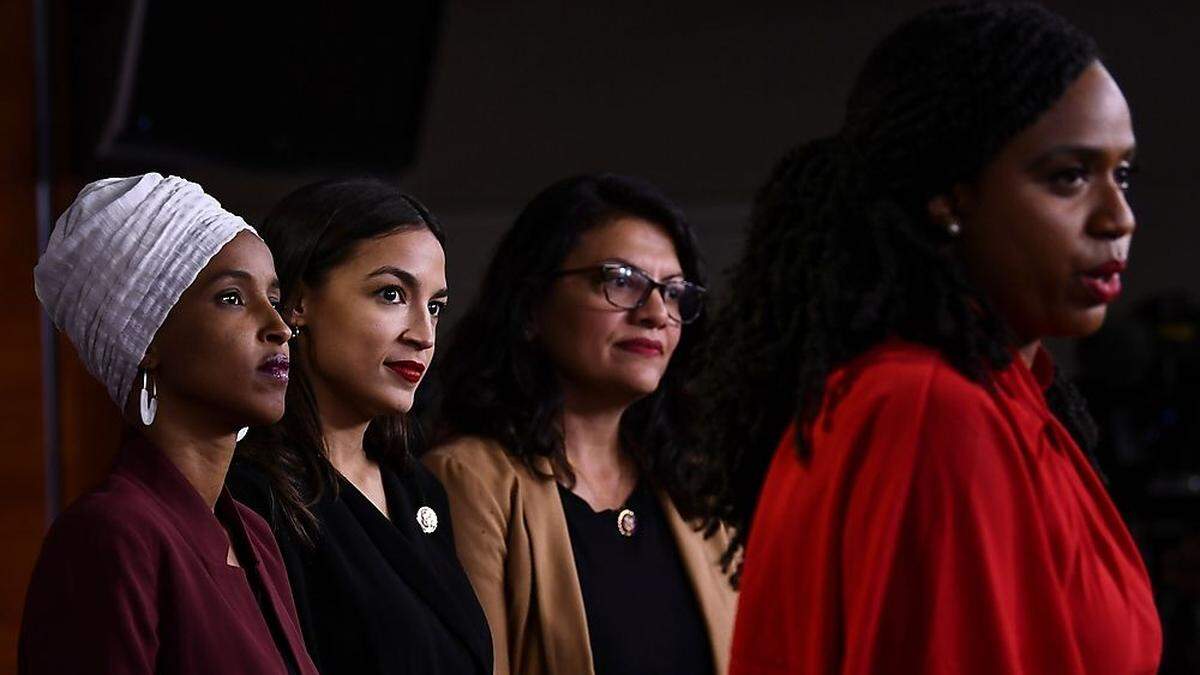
(133, 578)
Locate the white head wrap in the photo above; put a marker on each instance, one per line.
(119, 259)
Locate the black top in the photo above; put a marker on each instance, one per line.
(642, 614)
(378, 595)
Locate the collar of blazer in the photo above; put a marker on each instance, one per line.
(557, 581)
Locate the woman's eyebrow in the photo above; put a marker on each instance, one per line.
(622, 261)
(406, 278)
(1082, 151)
(232, 275)
(240, 275)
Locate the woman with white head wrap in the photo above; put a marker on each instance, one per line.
(170, 301)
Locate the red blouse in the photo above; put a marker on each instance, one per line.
(940, 527)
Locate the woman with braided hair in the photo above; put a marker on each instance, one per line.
(921, 496)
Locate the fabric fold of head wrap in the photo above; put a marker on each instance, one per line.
(119, 259)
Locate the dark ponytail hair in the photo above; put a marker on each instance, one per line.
(310, 232)
(841, 253)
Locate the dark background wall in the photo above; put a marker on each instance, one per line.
(21, 471)
(699, 97)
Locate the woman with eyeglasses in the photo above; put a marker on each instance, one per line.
(564, 443)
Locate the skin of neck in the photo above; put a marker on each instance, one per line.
(197, 444)
(343, 430)
(1028, 351)
(591, 438)
(1027, 345)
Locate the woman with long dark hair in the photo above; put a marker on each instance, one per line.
(565, 440)
(171, 302)
(365, 530)
(912, 485)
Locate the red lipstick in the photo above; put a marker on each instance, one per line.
(409, 370)
(1104, 281)
(276, 368)
(642, 346)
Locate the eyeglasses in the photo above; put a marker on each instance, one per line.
(628, 287)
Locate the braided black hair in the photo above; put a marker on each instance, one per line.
(841, 252)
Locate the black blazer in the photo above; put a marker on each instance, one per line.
(373, 595)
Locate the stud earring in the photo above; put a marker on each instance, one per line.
(148, 399)
(295, 332)
(242, 434)
(953, 228)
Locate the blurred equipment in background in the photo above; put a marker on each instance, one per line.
(1141, 376)
(293, 86)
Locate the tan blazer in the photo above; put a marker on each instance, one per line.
(512, 539)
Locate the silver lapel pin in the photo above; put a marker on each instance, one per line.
(427, 519)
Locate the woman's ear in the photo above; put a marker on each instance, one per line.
(942, 211)
(950, 211)
(955, 205)
(294, 313)
(150, 359)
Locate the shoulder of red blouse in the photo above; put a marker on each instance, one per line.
(909, 386)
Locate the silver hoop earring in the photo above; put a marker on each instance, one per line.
(148, 399)
(953, 228)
